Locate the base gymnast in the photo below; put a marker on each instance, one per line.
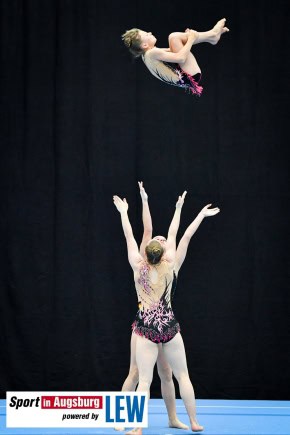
(163, 368)
(155, 280)
(175, 65)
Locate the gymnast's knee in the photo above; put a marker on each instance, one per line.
(174, 35)
(145, 382)
(165, 374)
(182, 376)
(134, 374)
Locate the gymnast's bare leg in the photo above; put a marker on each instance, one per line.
(146, 353)
(167, 384)
(177, 40)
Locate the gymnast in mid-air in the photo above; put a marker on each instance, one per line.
(175, 65)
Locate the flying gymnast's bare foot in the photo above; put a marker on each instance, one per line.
(218, 30)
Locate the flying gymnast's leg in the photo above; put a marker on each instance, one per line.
(178, 39)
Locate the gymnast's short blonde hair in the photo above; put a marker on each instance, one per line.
(132, 40)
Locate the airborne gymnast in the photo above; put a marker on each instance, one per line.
(175, 65)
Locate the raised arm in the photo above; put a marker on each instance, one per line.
(173, 228)
(134, 256)
(180, 56)
(184, 242)
(147, 221)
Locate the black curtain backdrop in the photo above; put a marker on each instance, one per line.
(81, 121)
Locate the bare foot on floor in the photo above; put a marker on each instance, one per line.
(195, 427)
(218, 30)
(136, 431)
(177, 424)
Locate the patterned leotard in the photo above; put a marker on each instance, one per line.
(155, 319)
(173, 74)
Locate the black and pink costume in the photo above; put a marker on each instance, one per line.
(173, 74)
(155, 319)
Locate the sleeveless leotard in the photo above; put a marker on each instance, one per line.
(173, 74)
(155, 319)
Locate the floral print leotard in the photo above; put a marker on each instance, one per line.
(173, 74)
(155, 319)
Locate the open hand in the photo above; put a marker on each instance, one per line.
(207, 211)
(180, 201)
(143, 194)
(121, 205)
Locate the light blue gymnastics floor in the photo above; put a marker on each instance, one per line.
(219, 417)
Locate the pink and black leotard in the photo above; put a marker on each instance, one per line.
(155, 319)
(173, 74)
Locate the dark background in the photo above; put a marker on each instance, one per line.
(81, 121)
